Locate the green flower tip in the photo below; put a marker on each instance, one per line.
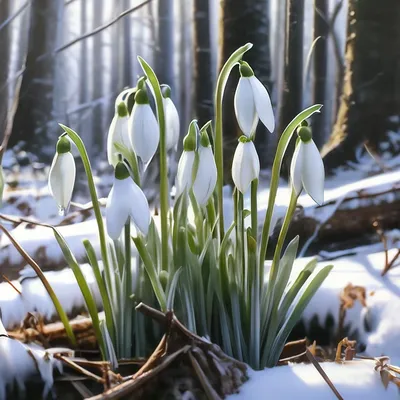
(122, 110)
(304, 133)
(244, 139)
(304, 123)
(63, 145)
(251, 242)
(140, 83)
(204, 139)
(190, 140)
(245, 70)
(166, 91)
(121, 172)
(164, 277)
(141, 97)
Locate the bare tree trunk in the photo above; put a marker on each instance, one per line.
(370, 102)
(126, 73)
(98, 133)
(33, 116)
(83, 85)
(203, 102)
(292, 91)
(165, 45)
(237, 28)
(320, 67)
(5, 36)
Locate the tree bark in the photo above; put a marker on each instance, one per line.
(165, 45)
(98, 133)
(292, 90)
(370, 101)
(242, 22)
(203, 101)
(321, 30)
(5, 40)
(33, 117)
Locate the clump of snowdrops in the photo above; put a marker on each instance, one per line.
(214, 279)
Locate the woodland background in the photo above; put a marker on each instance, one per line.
(66, 61)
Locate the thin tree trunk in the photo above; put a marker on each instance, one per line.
(237, 28)
(126, 73)
(98, 132)
(83, 86)
(370, 102)
(292, 91)
(165, 45)
(321, 30)
(34, 113)
(203, 102)
(5, 41)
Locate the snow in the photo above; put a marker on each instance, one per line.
(352, 379)
(18, 365)
(34, 297)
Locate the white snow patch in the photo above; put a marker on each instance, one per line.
(353, 380)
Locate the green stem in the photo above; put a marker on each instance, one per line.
(219, 156)
(276, 168)
(128, 289)
(164, 203)
(254, 210)
(92, 189)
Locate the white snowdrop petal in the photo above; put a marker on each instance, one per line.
(296, 168)
(263, 103)
(245, 166)
(62, 179)
(172, 124)
(184, 173)
(244, 107)
(144, 132)
(139, 207)
(117, 209)
(117, 133)
(206, 177)
(313, 172)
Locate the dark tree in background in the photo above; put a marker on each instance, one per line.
(97, 79)
(203, 98)
(321, 30)
(292, 90)
(33, 116)
(243, 21)
(4, 63)
(165, 46)
(370, 103)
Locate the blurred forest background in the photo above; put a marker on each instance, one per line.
(66, 61)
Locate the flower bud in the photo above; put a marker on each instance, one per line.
(62, 175)
(245, 165)
(171, 119)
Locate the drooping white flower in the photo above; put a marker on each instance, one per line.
(62, 175)
(144, 132)
(252, 102)
(118, 133)
(126, 200)
(171, 119)
(245, 165)
(206, 175)
(307, 169)
(184, 176)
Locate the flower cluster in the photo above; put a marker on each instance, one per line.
(188, 255)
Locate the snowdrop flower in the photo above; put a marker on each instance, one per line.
(62, 175)
(307, 169)
(245, 165)
(184, 176)
(118, 133)
(206, 176)
(171, 119)
(252, 102)
(143, 126)
(126, 200)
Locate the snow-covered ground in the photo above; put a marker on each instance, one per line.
(352, 379)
